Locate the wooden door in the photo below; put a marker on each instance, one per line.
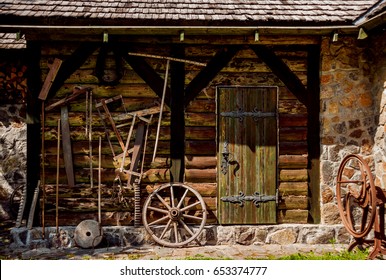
(247, 131)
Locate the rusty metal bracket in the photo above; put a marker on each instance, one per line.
(256, 198)
(241, 114)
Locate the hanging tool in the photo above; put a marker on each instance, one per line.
(89, 233)
(54, 69)
(89, 133)
(57, 181)
(67, 149)
(161, 109)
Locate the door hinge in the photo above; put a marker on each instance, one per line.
(256, 198)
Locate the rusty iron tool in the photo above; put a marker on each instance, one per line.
(75, 93)
(33, 207)
(99, 179)
(89, 132)
(57, 181)
(43, 185)
(161, 109)
(67, 149)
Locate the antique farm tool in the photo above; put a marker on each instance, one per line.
(66, 141)
(67, 149)
(43, 96)
(174, 214)
(89, 233)
(23, 199)
(57, 181)
(33, 207)
(161, 109)
(361, 204)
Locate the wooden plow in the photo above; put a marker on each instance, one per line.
(361, 205)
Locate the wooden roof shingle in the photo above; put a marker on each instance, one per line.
(189, 11)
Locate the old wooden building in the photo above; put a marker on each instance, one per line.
(243, 84)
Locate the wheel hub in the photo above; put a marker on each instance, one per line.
(175, 214)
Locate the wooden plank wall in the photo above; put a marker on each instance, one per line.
(245, 69)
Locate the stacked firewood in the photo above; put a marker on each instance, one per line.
(13, 83)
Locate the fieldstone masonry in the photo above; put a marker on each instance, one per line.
(211, 235)
(353, 99)
(13, 153)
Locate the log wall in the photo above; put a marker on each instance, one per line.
(245, 69)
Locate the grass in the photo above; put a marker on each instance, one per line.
(343, 255)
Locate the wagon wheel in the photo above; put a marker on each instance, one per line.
(356, 196)
(174, 214)
(15, 200)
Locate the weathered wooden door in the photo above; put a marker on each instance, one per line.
(247, 155)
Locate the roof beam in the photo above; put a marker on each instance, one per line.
(206, 75)
(282, 71)
(147, 73)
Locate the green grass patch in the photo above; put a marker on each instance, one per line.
(343, 255)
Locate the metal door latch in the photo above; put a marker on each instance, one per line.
(225, 158)
(256, 198)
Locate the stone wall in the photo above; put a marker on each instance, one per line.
(352, 116)
(13, 153)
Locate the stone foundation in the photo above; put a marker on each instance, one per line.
(211, 235)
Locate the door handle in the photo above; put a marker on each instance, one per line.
(225, 158)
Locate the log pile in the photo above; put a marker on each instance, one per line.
(13, 82)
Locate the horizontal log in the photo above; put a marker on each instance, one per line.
(191, 176)
(293, 188)
(292, 134)
(292, 216)
(293, 148)
(293, 202)
(291, 107)
(291, 120)
(200, 162)
(293, 161)
(293, 175)
(204, 189)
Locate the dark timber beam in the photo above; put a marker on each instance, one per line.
(147, 73)
(177, 125)
(282, 71)
(313, 139)
(33, 123)
(73, 63)
(202, 80)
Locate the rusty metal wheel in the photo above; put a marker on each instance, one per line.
(356, 196)
(174, 214)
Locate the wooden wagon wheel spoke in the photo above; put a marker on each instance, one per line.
(185, 226)
(165, 229)
(192, 217)
(162, 201)
(190, 206)
(168, 217)
(175, 228)
(165, 218)
(158, 210)
(182, 198)
(356, 196)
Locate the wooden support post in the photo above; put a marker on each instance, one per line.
(177, 126)
(313, 123)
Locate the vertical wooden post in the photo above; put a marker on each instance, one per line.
(313, 139)
(33, 121)
(177, 125)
